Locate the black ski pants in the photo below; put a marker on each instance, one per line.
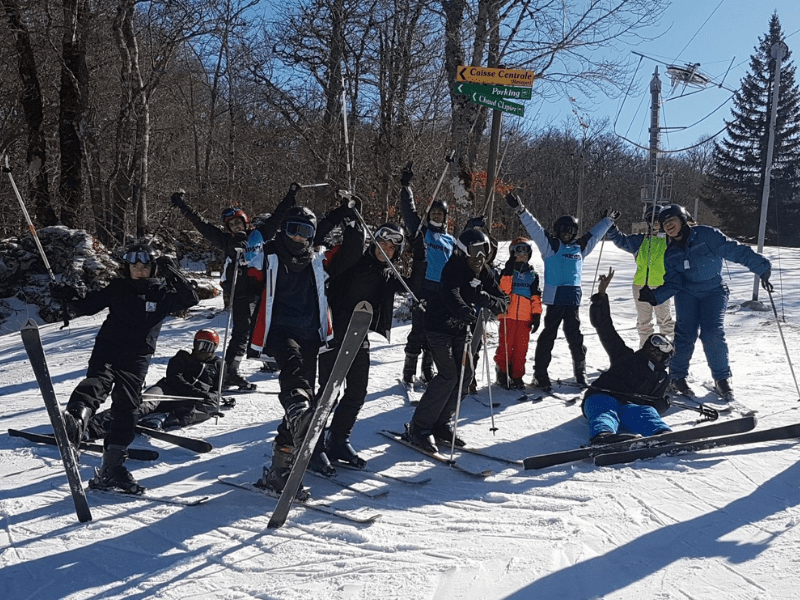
(242, 309)
(297, 363)
(438, 404)
(121, 375)
(355, 391)
(554, 316)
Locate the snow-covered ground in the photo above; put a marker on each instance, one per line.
(716, 524)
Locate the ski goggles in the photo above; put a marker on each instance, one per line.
(661, 343)
(299, 229)
(480, 250)
(385, 234)
(137, 257)
(206, 346)
(522, 248)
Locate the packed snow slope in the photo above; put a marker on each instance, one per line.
(715, 524)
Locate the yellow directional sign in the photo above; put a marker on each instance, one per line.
(495, 76)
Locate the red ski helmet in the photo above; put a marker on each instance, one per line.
(206, 340)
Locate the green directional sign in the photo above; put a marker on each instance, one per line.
(498, 104)
(496, 91)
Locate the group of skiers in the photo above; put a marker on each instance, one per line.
(291, 300)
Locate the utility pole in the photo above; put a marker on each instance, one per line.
(779, 50)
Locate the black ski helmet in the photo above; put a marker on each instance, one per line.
(473, 242)
(392, 233)
(139, 252)
(564, 224)
(673, 210)
(651, 213)
(441, 205)
(297, 220)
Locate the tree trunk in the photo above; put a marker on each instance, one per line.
(73, 101)
(31, 101)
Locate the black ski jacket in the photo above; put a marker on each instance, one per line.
(632, 377)
(462, 292)
(188, 376)
(356, 275)
(248, 241)
(136, 309)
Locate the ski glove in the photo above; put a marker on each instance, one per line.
(407, 175)
(611, 214)
(537, 320)
(514, 203)
(647, 295)
(63, 292)
(765, 280)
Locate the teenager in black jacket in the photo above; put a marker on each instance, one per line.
(137, 305)
(360, 274)
(237, 235)
(467, 284)
(630, 395)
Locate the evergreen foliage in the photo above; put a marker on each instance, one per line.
(735, 180)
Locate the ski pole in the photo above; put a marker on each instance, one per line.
(493, 428)
(780, 330)
(227, 328)
(396, 273)
(710, 414)
(346, 139)
(597, 269)
(464, 355)
(448, 159)
(32, 229)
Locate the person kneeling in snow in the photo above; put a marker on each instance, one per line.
(137, 305)
(192, 375)
(630, 395)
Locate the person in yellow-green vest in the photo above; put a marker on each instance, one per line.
(648, 249)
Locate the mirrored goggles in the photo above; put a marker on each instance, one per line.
(478, 251)
(205, 346)
(384, 234)
(299, 228)
(521, 248)
(137, 257)
(663, 344)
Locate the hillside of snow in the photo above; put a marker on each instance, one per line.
(715, 524)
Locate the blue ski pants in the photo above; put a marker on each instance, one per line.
(606, 413)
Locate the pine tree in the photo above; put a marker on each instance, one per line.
(735, 180)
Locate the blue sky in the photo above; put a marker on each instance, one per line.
(709, 32)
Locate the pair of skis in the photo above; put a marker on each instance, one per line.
(730, 432)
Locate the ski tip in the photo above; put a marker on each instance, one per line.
(364, 307)
(29, 324)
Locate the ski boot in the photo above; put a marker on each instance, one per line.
(422, 438)
(724, 389)
(320, 463)
(409, 369)
(338, 449)
(76, 420)
(679, 386)
(113, 475)
(579, 369)
(427, 367)
(276, 475)
(234, 379)
(502, 379)
(443, 432)
(609, 437)
(298, 414)
(542, 381)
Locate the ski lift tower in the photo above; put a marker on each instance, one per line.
(657, 187)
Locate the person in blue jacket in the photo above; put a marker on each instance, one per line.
(693, 275)
(563, 255)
